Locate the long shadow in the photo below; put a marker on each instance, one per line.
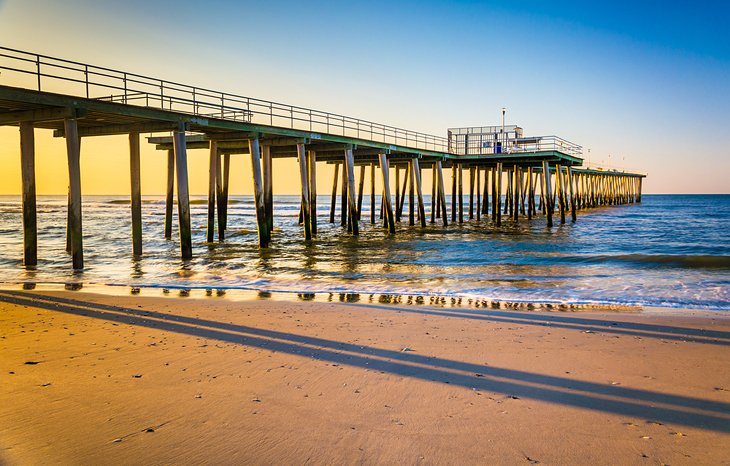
(663, 332)
(649, 405)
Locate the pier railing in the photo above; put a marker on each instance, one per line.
(45, 73)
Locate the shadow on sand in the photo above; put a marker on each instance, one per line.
(635, 403)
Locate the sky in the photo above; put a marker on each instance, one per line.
(645, 85)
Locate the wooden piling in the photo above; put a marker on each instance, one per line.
(471, 193)
(387, 199)
(343, 196)
(411, 193)
(312, 164)
(258, 189)
(546, 187)
(402, 199)
(136, 194)
(304, 177)
(333, 203)
(461, 194)
(434, 190)
(419, 193)
(516, 185)
(219, 195)
(226, 184)
(27, 170)
(530, 194)
(74, 174)
(212, 176)
(442, 193)
(572, 195)
(498, 195)
(454, 181)
(268, 186)
(372, 193)
(485, 198)
(183, 196)
(478, 194)
(354, 215)
(169, 199)
(561, 189)
(360, 188)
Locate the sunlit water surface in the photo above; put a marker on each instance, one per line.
(668, 251)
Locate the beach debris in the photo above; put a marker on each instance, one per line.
(615, 383)
(198, 396)
(31, 363)
(406, 349)
(46, 384)
(531, 460)
(721, 389)
(645, 437)
(478, 375)
(256, 400)
(149, 429)
(513, 397)
(679, 434)
(655, 423)
(136, 376)
(588, 331)
(116, 440)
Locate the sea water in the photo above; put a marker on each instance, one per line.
(667, 251)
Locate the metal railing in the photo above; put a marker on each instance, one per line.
(45, 73)
(488, 145)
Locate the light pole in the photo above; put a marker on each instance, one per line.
(504, 136)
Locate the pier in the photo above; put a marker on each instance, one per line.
(511, 177)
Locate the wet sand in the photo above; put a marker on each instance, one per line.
(97, 379)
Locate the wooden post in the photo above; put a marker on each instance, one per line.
(27, 169)
(471, 193)
(453, 190)
(258, 189)
(136, 201)
(479, 194)
(572, 195)
(547, 190)
(397, 193)
(419, 192)
(561, 189)
(183, 197)
(226, 179)
(360, 188)
(434, 190)
(401, 201)
(170, 193)
(312, 159)
(485, 195)
(219, 196)
(343, 195)
(74, 175)
(442, 193)
(411, 193)
(304, 177)
(268, 186)
(212, 177)
(498, 194)
(372, 193)
(333, 203)
(461, 194)
(354, 215)
(638, 197)
(387, 200)
(508, 194)
(516, 193)
(530, 194)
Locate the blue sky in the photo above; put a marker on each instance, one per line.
(647, 82)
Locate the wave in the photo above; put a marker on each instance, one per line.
(696, 261)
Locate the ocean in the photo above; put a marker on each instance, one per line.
(669, 251)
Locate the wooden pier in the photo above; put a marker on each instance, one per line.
(534, 178)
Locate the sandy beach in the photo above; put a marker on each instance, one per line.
(98, 379)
